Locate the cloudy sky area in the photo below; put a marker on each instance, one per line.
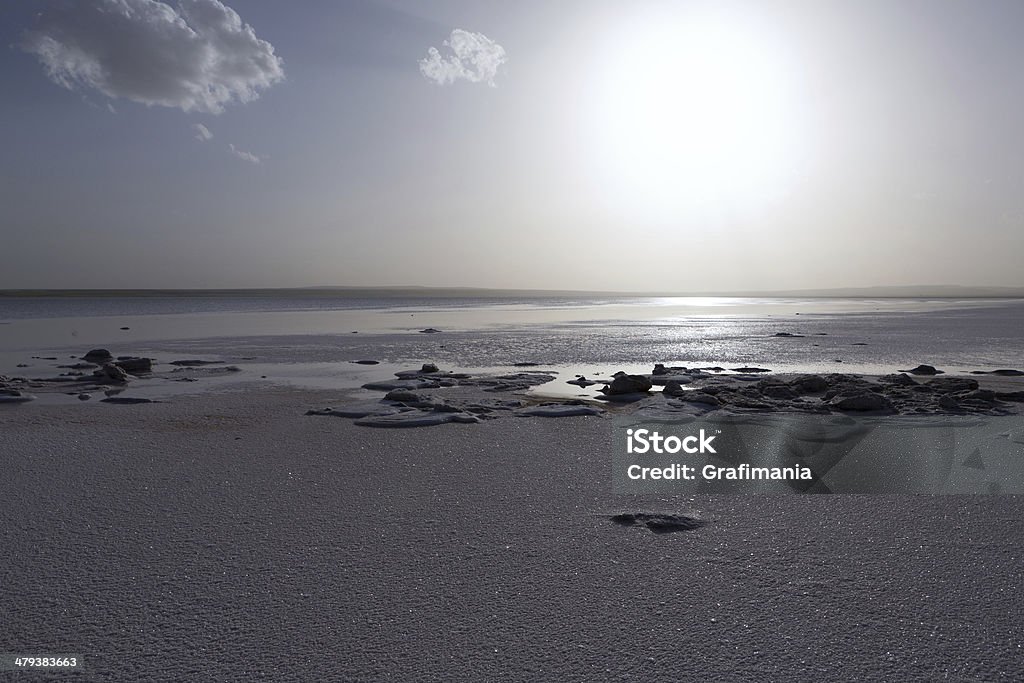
(583, 144)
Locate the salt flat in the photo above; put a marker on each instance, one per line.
(233, 537)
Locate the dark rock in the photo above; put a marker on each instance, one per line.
(582, 381)
(126, 400)
(525, 364)
(750, 370)
(84, 397)
(366, 362)
(126, 328)
(787, 334)
(657, 523)
(948, 402)
(559, 410)
(135, 366)
(673, 388)
(403, 396)
(952, 385)
(924, 370)
(809, 384)
(15, 396)
(862, 402)
(900, 379)
(98, 355)
(111, 373)
(1015, 396)
(628, 384)
(429, 330)
(701, 397)
(428, 368)
(778, 391)
(1008, 373)
(981, 395)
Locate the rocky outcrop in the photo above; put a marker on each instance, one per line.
(862, 402)
(899, 379)
(952, 385)
(809, 384)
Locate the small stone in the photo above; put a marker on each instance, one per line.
(924, 370)
(673, 388)
(403, 396)
(98, 355)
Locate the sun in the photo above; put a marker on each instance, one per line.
(692, 108)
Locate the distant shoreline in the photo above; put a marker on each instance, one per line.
(399, 292)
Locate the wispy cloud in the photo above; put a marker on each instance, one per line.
(244, 156)
(202, 132)
(196, 56)
(474, 57)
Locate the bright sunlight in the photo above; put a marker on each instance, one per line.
(693, 108)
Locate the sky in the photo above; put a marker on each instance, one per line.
(683, 146)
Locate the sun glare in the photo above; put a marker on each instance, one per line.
(692, 109)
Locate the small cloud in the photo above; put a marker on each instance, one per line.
(244, 156)
(202, 132)
(475, 58)
(196, 56)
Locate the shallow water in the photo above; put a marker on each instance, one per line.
(303, 346)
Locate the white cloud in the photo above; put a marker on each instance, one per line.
(197, 55)
(475, 58)
(202, 132)
(244, 156)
